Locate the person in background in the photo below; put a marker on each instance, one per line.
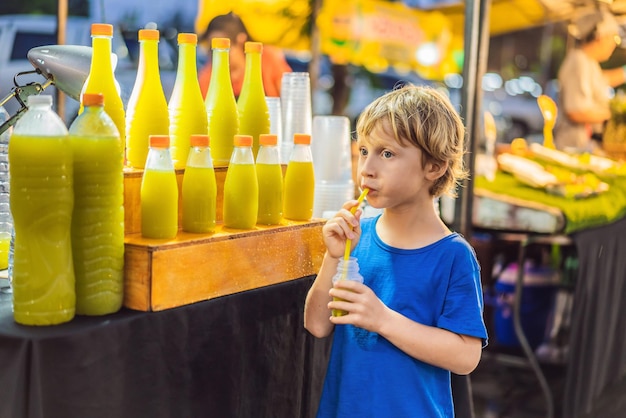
(418, 315)
(230, 26)
(584, 85)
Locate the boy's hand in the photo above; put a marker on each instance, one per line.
(364, 309)
(342, 227)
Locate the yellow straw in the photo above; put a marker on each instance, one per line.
(346, 254)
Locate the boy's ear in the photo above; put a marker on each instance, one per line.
(436, 169)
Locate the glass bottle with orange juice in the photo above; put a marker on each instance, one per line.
(159, 192)
(199, 190)
(101, 78)
(254, 117)
(221, 106)
(42, 199)
(299, 181)
(241, 188)
(98, 216)
(146, 113)
(186, 105)
(270, 177)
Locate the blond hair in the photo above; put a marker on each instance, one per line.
(424, 117)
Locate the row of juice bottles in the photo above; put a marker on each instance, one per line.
(254, 190)
(220, 115)
(67, 186)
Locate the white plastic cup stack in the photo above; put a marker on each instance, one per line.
(276, 118)
(332, 159)
(295, 101)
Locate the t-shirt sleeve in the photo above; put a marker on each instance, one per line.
(463, 305)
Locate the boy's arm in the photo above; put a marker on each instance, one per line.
(316, 312)
(442, 348)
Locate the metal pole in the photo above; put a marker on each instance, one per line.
(476, 47)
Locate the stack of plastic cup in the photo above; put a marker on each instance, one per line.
(332, 160)
(276, 118)
(295, 101)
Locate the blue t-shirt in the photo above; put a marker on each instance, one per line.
(437, 285)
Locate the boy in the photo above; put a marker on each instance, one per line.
(418, 315)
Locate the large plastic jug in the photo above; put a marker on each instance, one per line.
(101, 78)
(186, 106)
(199, 191)
(221, 107)
(98, 217)
(254, 117)
(270, 177)
(41, 202)
(146, 113)
(299, 180)
(159, 192)
(241, 189)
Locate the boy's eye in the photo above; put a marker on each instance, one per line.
(363, 151)
(387, 154)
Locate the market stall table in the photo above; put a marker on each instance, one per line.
(596, 366)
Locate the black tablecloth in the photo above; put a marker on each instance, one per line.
(246, 355)
(596, 371)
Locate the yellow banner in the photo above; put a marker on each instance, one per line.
(379, 34)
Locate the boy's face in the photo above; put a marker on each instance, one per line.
(393, 172)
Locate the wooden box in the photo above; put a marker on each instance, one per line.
(163, 274)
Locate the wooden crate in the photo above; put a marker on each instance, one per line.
(164, 274)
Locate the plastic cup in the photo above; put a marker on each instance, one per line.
(331, 149)
(295, 101)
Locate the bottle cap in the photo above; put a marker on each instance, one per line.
(42, 99)
(268, 139)
(220, 43)
(159, 141)
(148, 35)
(199, 140)
(101, 29)
(187, 38)
(253, 47)
(243, 140)
(302, 139)
(93, 99)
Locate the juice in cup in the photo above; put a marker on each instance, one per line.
(186, 105)
(159, 192)
(147, 113)
(221, 107)
(5, 242)
(199, 190)
(98, 217)
(254, 118)
(241, 189)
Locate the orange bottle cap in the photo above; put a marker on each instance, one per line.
(302, 139)
(159, 141)
(187, 38)
(148, 35)
(243, 140)
(268, 139)
(253, 47)
(101, 29)
(93, 99)
(220, 43)
(199, 140)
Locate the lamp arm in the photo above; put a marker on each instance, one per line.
(21, 93)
